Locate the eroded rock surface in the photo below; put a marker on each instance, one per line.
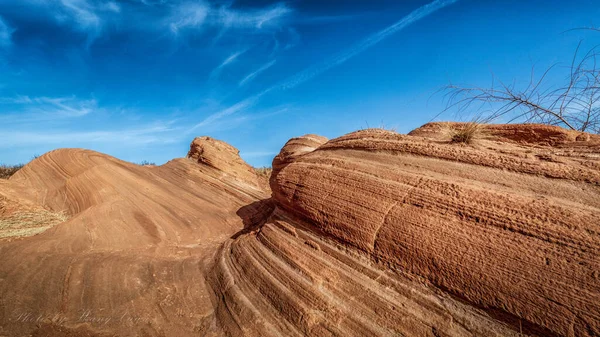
(496, 226)
(520, 133)
(223, 157)
(131, 260)
(370, 234)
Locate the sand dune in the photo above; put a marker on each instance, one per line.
(370, 234)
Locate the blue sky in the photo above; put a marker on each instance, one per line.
(139, 79)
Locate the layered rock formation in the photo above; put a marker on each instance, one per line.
(131, 259)
(20, 217)
(497, 226)
(295, 148)
(223, 157)
(370, 234)
(520, 133)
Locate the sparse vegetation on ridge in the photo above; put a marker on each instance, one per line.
(6, 171)
(573, 104)
(466, 133)
(19, 220)
(263, 171)
(29, 223)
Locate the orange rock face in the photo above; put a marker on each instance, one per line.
(520, 133)
(370, 234)
(131, 258)
(223, 157)
(483, 223)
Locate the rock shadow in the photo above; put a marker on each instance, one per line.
(254, 215)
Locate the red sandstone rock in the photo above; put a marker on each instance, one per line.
(483, 223)
(223, 157)
(370, 234)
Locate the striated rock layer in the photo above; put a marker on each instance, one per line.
(131, 259)
(520, 133)
(223, 157)
(378, 233)
(295, 148)
(370, 234)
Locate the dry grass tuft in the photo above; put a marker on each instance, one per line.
(264, 175)
(6, 171)
(17, 220)
(263, 172)
(466, 133)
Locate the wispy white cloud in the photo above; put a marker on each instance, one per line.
(5, 34)
(188, 15)
(39, 108)
(153, 2)
(255, 73)
(196, 15)
(82, 12)
(112, 6)
(334, 61)
(293, 40)
(229, 60)
(259, 18)
(154, 133)
(326, 19)
(365, 44)
(240, 106)
(66, 131)
(86, 16)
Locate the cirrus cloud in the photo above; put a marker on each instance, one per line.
(5, 34)
(47, 108)
(85, 16)
(203, 14)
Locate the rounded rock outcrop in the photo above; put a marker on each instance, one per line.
(510, 225)
(223, 157)
(540, 134)
(295, 148)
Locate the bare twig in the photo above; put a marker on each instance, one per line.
(575, 105)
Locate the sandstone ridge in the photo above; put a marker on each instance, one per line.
(370, 234)
(509, 226)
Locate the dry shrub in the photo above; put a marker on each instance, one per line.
(264, 172)
(19, 220)
(6, 171)
(573, 103)
(465, 133)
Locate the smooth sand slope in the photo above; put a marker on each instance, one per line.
(370, 234)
